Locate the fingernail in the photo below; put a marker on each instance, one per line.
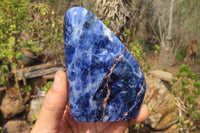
(56, 81)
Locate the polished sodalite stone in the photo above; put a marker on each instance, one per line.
(105, 81)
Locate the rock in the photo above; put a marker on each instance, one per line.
(16, 126)
(166, 76)
(105, 81)
(173, 129)
(35, 109)
(11, 107)
(29, 57)
(164, 111)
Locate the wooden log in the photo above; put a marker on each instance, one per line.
(38, 70)
(42, 72)
(38, 67)
(50, 76)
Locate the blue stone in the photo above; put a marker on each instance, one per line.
(105, 81)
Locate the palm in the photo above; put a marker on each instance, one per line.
(97, 127)
(100, 127)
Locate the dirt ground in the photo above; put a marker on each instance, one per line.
(172, 69)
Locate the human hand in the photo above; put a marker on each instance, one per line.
(55, 116)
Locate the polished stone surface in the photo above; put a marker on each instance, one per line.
(105, 81)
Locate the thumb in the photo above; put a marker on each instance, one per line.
(54, 105)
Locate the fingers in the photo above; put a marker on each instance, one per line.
(142, 115)
(54, 104)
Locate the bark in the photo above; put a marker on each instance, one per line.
(169, 36)
(37, 71)
(17, 84)
(165, 57)
(118, 13)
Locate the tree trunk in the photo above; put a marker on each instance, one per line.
(165, 57)
(118, 13)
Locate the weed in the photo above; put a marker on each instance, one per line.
(186, 89)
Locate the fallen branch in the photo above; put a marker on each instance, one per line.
(38, 71)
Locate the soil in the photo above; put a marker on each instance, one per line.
(172, 69)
